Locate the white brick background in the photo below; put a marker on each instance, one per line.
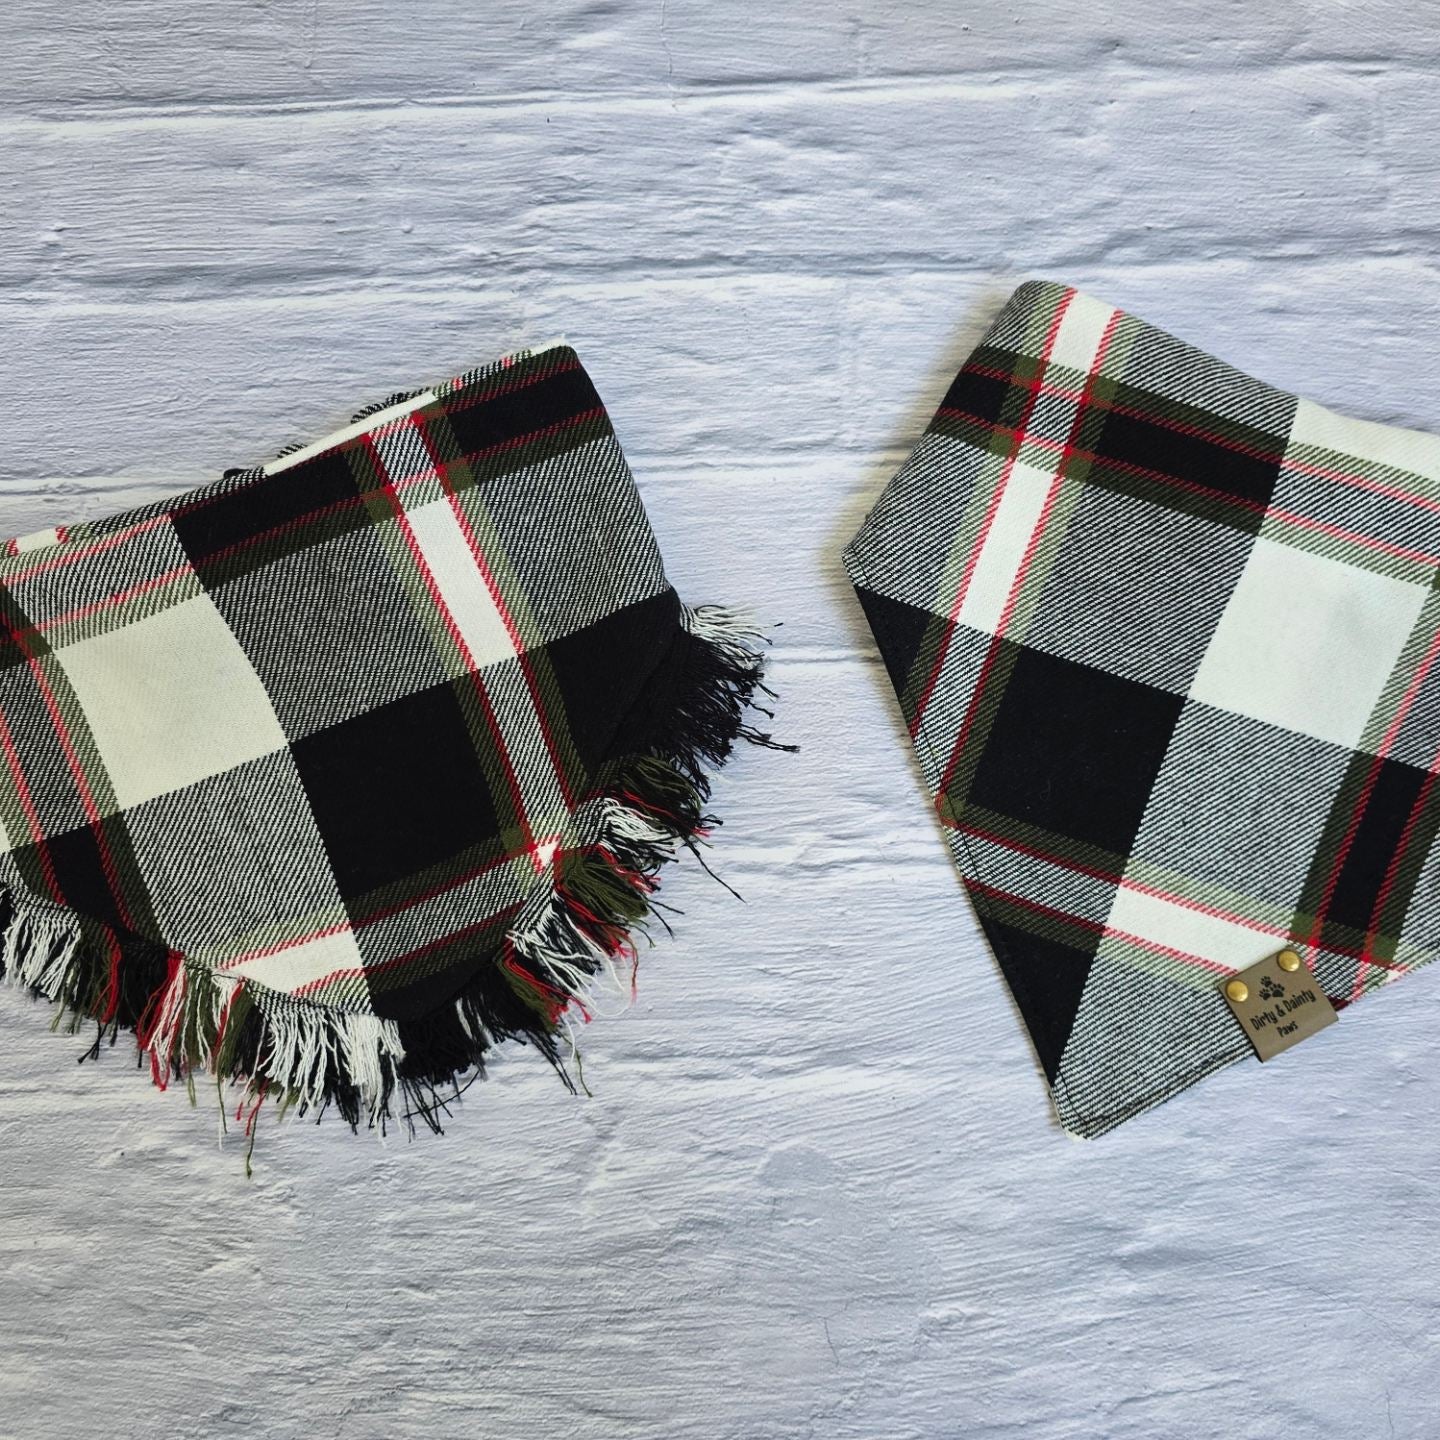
(818, 1191)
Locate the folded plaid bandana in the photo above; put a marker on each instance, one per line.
(333, 772)
(1166, 642)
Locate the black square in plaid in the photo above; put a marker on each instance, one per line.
(1070, 751)
(1165, 639)
(334, 772)
(367, 778)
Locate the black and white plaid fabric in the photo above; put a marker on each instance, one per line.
(329, 774)
(1165, 639)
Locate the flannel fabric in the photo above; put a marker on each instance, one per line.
(1165, 640)
(334, 771)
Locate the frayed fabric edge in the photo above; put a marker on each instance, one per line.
(571, 943)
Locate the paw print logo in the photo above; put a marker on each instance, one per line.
(1270, 989)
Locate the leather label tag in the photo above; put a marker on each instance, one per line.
(1278, 1002)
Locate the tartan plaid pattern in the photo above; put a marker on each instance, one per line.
(378, 744)
(1165, 640)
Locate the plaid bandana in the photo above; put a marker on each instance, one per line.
(1165, 639)
(333, 772)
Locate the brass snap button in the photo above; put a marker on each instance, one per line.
(1237, 990)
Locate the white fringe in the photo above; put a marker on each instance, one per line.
(40, 946)
(623, 823)
(305, 1038)
(566, 957)
(732, 631)
(559, 950)
(39, 949)
(301, 1040)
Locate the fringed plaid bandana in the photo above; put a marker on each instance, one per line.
(331, 773)
(1165, 639)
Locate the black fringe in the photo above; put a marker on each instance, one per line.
(670, 773)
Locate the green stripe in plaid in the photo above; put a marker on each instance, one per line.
(1165, 638)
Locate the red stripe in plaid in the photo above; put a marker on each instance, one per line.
(1392, 872)
(378, 967)
(374, 917)
(27, 803)
(991, 510)
(539, 368)
(1155, 947)
(1367, 959)
(77, 774)
(1023, 569)
(1200, 432)
(422, 897)
(72, 553)
(443, 610)
(120, 597)
(1141, 887)
(487, 574)
(1289, 517)
(1357, 815)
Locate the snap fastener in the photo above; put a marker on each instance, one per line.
(1288, 961)
(1237, 990)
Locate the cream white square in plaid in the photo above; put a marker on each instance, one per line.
(1012, 528)
(37, 540)
(1081, 330)
(1182, 939)
(460, 585)
(332, 961)
(1307, 642)
(170, 699)
(1370, 442)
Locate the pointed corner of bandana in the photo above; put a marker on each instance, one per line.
(572, 936)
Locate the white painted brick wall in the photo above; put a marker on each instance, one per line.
(818, 1192)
